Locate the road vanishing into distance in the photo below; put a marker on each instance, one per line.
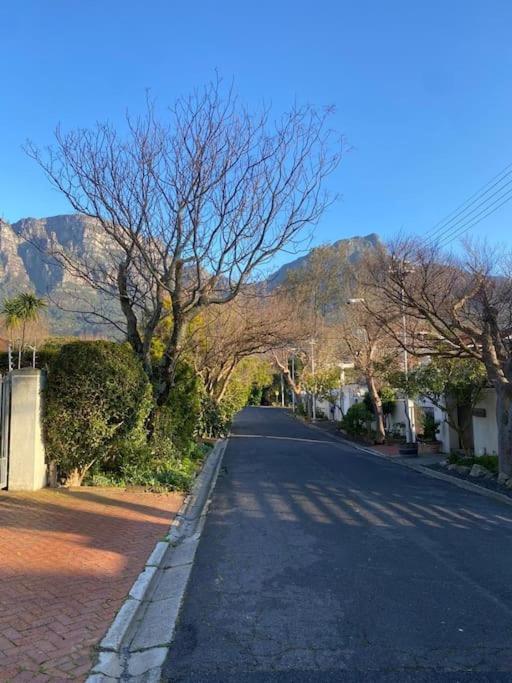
(320, 562)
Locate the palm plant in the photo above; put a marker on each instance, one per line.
(20, 310)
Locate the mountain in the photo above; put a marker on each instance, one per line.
(354, 246)
(25, 266)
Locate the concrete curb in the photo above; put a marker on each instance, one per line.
(136, 644)
(461, 483)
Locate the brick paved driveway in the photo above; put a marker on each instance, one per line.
(67, 561)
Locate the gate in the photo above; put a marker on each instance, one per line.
(5, 421)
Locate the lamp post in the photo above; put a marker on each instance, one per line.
(406, 269)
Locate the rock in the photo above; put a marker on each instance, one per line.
(478, 471)
(452, 467)
(508, 483)
(503, 478)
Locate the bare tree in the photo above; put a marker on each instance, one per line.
(188, 208)
(455, 307)
(222, 336)
(372, 350)
(332, 305)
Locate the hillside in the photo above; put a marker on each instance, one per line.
(355, 247)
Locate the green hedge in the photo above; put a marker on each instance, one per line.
(97, 399)
(357, 419)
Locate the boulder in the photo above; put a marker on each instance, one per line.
(503, 478)
(508, 483)
(477, 471)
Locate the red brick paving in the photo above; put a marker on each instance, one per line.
(67, 561)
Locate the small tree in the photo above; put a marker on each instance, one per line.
(448, 383)
(18, 312)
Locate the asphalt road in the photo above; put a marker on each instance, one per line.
(322, 563)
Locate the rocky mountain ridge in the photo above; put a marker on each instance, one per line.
(24, 264)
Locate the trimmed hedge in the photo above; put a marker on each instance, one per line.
(97, 399)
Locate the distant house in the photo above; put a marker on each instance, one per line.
(481, 433)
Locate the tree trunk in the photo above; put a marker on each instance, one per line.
(52, 474)
(380, 436)
(75, 477)
(167, 368)
(225, 381)
(504, 424)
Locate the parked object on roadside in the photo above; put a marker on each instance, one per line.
(409, 450)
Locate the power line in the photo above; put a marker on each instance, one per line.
(447, 224)
(471, 215)
(479, 220)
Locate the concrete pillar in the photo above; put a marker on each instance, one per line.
(27, 469)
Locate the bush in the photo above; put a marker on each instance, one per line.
(430, 427)
(179, 419)
(490, 462)
(153, 473)
(215, 418)
(97, 400)
(356, 420)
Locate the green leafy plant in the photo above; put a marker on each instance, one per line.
(215, 418)
(357, 419)
(97, 399)
(430, 427)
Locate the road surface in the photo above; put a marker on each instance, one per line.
(319, 562)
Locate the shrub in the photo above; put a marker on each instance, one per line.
(356, 420)
(97, 399)
(215, 418)
(430, 427)
(153, 473)
(490, 462)
(179, 418)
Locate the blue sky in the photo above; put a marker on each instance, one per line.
(422, 90)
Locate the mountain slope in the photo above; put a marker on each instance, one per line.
(355, 247)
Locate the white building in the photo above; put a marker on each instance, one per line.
(482, 431)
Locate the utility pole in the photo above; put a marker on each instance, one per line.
(411, 436)
(282, 391)
(293, 380)
(313, 407)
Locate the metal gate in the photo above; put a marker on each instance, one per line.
(5, 422)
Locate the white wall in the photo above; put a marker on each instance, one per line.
(27, 469)
(352, 393)
(485, 431)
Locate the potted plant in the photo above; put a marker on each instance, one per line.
(429, 442)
